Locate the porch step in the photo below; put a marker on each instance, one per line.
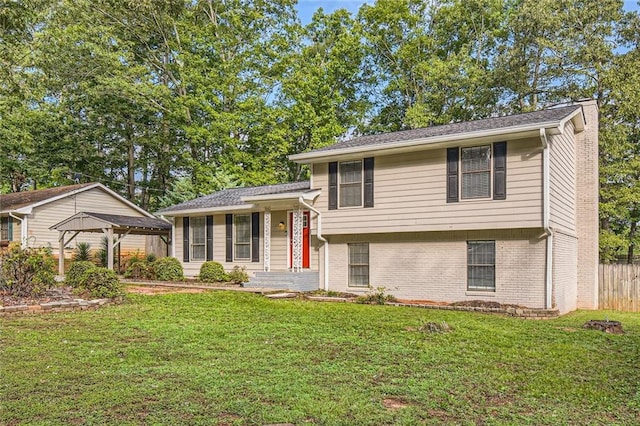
(294, 281)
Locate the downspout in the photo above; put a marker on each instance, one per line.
(324, 240)
(545, 219)
(23, 229)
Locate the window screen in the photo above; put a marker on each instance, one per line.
(476, 172)
(242, 241)
(359, 265)
(351, 184)
(198, 238)
(481, 268)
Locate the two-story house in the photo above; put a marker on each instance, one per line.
(502, 209)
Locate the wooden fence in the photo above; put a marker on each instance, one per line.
(619, 287)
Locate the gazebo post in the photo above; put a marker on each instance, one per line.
(110, 248)
(61, 253)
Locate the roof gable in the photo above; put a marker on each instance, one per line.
(23, 202)
(234, 196)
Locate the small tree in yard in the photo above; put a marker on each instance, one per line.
(26, 272)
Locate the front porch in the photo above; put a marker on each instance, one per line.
(285, 280)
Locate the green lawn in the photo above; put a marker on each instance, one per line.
(230, 358)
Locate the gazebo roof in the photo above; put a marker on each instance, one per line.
(97, 222)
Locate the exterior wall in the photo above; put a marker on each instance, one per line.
(433, 265)
(562, 181)
(39, 221)
(279, 245)
(587, 208)
(410, 196)
(565, 271)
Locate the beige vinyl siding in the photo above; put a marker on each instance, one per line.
(93, 200)
(432, 266)
(279, 246)
(565, 272)
(410, 196)
(562, 181)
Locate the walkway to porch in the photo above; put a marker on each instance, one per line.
(285, 280)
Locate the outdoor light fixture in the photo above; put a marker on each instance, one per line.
(281, 226)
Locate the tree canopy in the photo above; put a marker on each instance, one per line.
(158, 99)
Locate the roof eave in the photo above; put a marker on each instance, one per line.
(204, 210)
(517, 132)
(288, 196)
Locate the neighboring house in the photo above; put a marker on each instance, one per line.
(502, 209)
(27, 217)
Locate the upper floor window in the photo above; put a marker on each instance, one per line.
(350, 184)
(477, 172)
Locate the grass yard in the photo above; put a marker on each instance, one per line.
(230, 358)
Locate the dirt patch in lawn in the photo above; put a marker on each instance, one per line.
(394, 403)
(162, 290)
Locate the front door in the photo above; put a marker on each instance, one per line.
(306, 216)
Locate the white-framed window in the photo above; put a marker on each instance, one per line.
(350, 183)
(198, 238)
(4, 228)
(481, 265)
(242, 234)
(359, 265)
(475, 168)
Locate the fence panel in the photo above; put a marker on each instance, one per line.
(619, 287)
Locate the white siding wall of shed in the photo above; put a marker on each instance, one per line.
(93, 200)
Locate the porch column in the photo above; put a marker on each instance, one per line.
(297, 239)
(267, 239)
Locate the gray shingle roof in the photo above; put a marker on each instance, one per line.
(132, 221)
(528, 118)
(16, 200)
(233, 196)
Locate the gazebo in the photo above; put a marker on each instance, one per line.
(111, 226)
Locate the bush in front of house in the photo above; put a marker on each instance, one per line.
(212, 272)
(138, 268)
(26, 272)
(168, 269)
(102, 283)
(76, 271)
(238, 275)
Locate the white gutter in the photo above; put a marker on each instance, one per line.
(23, 229)
(324, 240)
(545, 220)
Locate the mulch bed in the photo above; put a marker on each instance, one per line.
(53, 295)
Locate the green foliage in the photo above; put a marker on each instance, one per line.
(377, 296)
(26, 272)
(82, 252)
(140, 269)
(238, 275)
(101, 283)
(168, 269)
(76, 272)
(212, 272)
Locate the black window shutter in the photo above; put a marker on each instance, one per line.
(452, 174)
(500, 171)
(333, 185)
(209, 237)
(255, 237)
(368, 182)
(229, 238)
(185, 239)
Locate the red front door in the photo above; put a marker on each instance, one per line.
(306, 219)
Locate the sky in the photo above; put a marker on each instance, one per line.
(307, 7)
